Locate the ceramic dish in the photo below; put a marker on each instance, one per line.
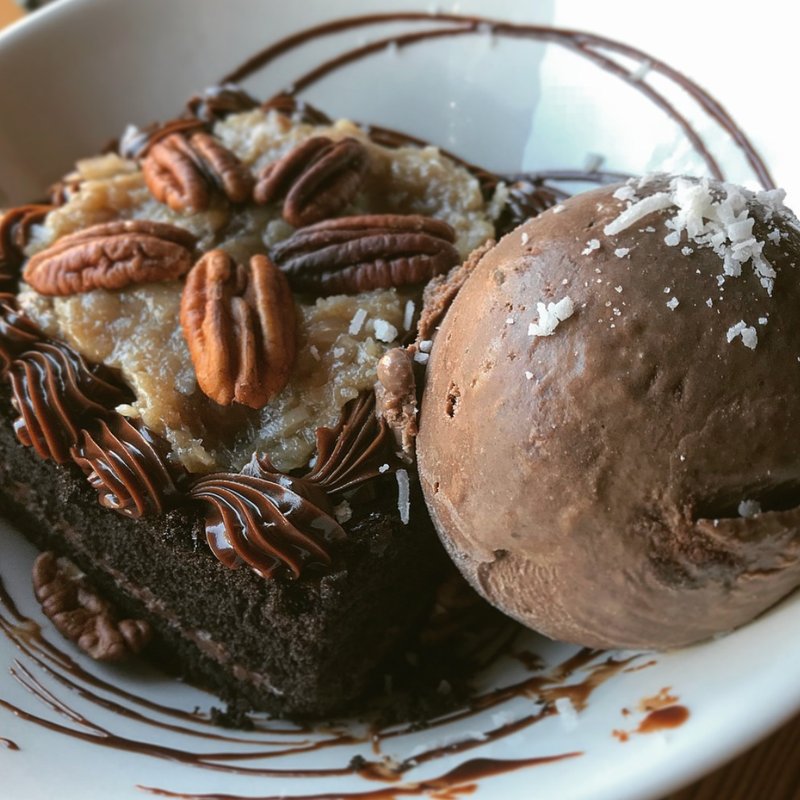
(617, 725)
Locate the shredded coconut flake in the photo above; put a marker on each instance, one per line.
(403, 496)
(524, 238)
(385, 331)
(314, 352)
(639, 210)
(747, 333)
(408, 315)
(357, 323)
(591, 246)
(557, 209)
(550, 316)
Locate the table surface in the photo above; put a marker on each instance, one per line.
(770, 771)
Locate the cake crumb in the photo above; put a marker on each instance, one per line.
(127, 410)
(343, 512)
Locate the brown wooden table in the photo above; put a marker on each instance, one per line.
(770, 771)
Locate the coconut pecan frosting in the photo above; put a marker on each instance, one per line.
(239, 322)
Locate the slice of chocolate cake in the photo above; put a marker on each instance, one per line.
(189, 339)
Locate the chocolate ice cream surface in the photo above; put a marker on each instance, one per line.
(609, 455)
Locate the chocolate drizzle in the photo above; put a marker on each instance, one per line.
(270, 520)
(126, 463)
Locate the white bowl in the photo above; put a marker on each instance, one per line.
(77, 73)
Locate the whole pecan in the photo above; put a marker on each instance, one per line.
(15, 227)
(182, 170)
(373, 251)
(239, 323)
(111, 255)
(318, 178)
(81, 615)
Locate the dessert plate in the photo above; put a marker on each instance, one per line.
(549, 719)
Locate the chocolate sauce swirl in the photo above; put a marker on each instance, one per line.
(126, 463)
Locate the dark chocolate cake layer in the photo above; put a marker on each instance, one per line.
(302, 647)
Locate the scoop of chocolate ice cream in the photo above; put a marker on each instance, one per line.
(609, 430)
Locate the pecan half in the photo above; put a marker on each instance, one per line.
(81, 615)
(15, 227)
(373, 251)
(318, 178)
(112, 255)
(239, 323)
(182, 170)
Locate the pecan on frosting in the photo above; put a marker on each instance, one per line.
(111, 255)
(56, 394)
(183, 170)
(270, 520)
(239, 324)
(15, 226)
(318, 178)
(371, 251)
(126, 463)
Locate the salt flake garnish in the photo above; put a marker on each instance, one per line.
(673, 303)
(621, 252)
